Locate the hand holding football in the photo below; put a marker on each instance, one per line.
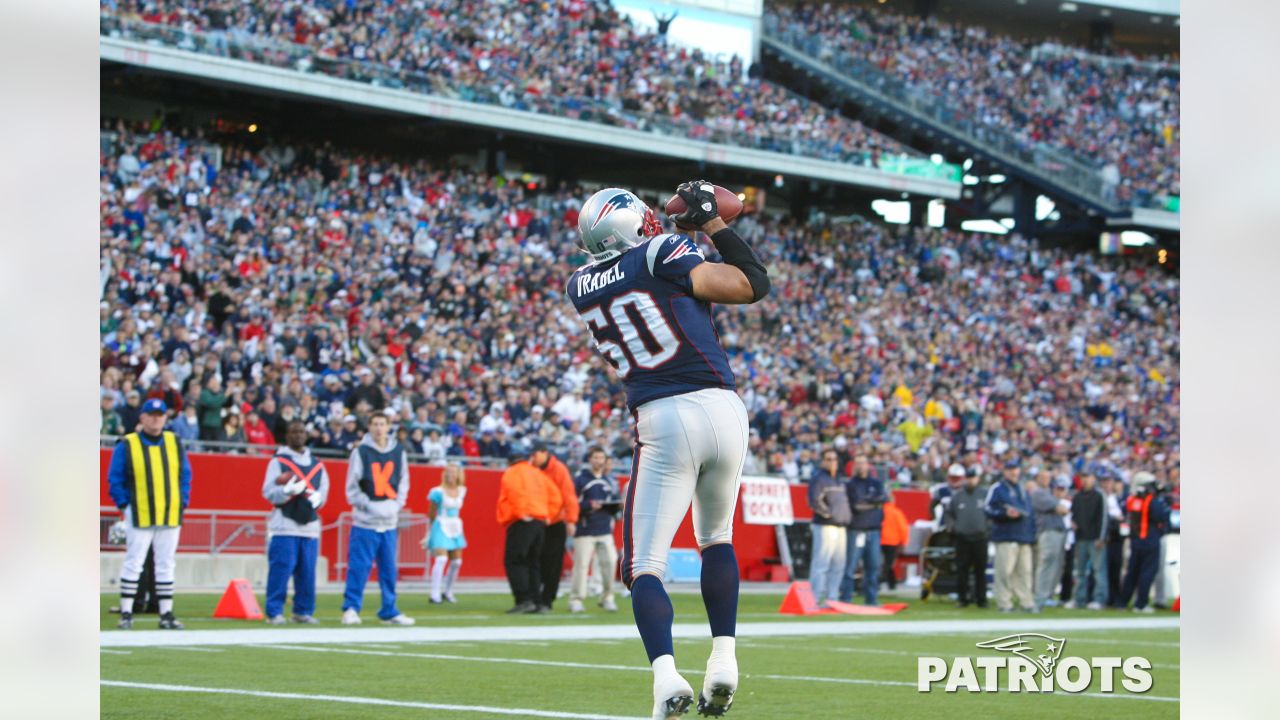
(284, 477)
(727, 203)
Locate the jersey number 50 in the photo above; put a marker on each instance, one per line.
(637, 352)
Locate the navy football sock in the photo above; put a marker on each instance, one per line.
(720, 589)
(654, 614)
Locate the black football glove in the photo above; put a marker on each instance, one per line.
(700, 198)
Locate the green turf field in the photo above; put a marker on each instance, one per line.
(793, 675)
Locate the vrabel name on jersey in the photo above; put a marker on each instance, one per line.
(646, 323)
(591, 283)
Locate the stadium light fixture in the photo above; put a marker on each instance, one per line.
(936, 159)
(996, 179)
(968, 163)
(893, 211)
(937, 212)
(1134, 238)
(970, 180)
(1008, 223)
(984, 226)
(777, 181)
(1068, 7)
(1044, 207)
(253, 127)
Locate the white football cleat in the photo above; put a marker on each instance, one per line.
(718, 685)
(350, 617)
(400, 619)
(672, 694)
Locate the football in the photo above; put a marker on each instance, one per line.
(727, 203)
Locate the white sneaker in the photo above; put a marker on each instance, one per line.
(1094, 606)
(1069, 605)
(400, 619)
(609, 605)
(672, 694)
(351, 617)
(718, 685)
(277, 620)
(1144, 610)
(575, 606)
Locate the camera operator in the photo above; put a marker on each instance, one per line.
(1148, 512)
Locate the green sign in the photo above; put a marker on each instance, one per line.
(921, 167)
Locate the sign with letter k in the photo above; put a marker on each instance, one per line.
(382, 473)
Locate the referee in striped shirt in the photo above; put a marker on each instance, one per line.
(150, 481)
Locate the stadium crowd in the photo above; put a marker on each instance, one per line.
(577, 58)
(247, 286)
(1121, 115)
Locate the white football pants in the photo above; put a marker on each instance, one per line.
(690, 448)
(138, 540)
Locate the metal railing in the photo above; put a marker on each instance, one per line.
(466, 461)
(1051, 164)
(410, 555)
(205, 531)
(502, 89)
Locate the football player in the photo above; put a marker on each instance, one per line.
(646, 297)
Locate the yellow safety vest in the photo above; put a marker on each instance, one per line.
(154, 469)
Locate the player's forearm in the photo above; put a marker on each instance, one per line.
(738, 253)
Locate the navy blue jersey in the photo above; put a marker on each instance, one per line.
(641, 310)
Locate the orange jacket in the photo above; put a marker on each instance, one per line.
(568, 508)
(526, 491)
(894, 530)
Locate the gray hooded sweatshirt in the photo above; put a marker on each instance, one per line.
(374, 513)
(278, 524)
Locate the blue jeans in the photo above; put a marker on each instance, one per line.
(869, 555)
(826, 565)
(290, 556)
(366, 546)
(1091, 561)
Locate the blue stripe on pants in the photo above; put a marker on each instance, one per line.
(366, 547)
(291, 556)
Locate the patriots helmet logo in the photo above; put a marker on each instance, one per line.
(1028, 646)
(617, 202)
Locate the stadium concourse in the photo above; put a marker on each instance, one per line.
(320, 283)
(1118, 111)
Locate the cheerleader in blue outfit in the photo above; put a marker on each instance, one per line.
(446, 540)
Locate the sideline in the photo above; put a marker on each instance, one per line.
(826, 628)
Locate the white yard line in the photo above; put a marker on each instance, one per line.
(488, 710)
(822, 628)
(115, 652)
(192, 649)
(642, 669)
